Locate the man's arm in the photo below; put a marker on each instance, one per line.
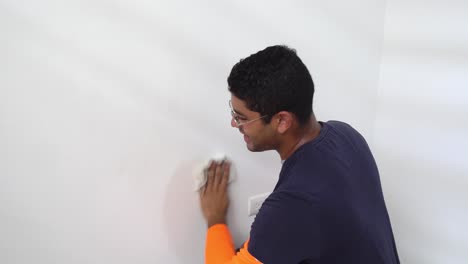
(214, 203)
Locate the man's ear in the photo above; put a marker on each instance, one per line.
(284, 121)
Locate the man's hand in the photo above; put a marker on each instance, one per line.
(213, 196)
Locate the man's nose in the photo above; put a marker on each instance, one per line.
(233, 123)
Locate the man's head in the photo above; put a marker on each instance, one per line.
(272, 85)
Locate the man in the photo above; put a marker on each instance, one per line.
(327, 206)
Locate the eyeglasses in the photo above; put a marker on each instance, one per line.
(238, 121)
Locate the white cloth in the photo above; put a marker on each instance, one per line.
(200, 172)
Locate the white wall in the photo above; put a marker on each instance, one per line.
(105, 105)
(421, 135)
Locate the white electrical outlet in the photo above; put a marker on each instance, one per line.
(255, 202)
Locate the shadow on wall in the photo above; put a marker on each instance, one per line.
(427, 206)
(183, 221)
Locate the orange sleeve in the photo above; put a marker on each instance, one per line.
(220, 248)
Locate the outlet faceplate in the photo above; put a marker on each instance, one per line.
(255, 202)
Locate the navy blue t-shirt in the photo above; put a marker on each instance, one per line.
(327, 206)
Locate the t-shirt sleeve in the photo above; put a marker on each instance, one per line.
(220, 250)
(286, 229)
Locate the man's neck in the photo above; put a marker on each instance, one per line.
(304, 134)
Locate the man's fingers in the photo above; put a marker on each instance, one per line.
(218, 174)
(211, 175)
(225, 177)
(203, 188)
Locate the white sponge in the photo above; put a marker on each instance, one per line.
(200, 172)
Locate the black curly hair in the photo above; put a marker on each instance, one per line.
(273, 80)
